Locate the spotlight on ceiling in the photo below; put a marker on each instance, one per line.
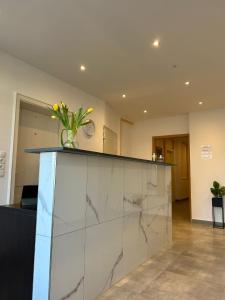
(145, 111)
(200, 102)
(124, 96)
(82, 68)
(187, 83)
(155, 43)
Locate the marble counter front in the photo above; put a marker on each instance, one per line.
(99, 217)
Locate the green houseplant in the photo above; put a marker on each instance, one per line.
(71, 121)
(217, 190)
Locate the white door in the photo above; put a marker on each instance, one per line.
(110, 141)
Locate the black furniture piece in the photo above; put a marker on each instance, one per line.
(217, 203)
(29, 197)
(17, 244)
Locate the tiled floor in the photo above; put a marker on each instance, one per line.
(193, 269)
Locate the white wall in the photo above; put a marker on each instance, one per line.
(19, 77)
(145, 130)
(206, 128)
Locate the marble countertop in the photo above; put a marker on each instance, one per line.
(92, 153)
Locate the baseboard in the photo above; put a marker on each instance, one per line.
(202, 222)
(196, 221)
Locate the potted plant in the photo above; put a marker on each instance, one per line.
(218, 192)
(71, 121)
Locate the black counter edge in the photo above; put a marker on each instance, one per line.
(92, 153)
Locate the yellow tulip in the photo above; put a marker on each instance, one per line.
(90, 110)
(55, 107)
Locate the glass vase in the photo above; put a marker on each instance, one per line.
(70, 137)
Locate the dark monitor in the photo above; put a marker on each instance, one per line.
(29, 197)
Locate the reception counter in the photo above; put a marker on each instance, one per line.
(99, 217)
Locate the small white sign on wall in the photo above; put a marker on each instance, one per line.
(206, 152)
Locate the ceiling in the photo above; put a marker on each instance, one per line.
(113, 39)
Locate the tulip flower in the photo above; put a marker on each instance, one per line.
(55, 107)
(90, 110)
(71, 121)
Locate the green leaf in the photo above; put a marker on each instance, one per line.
(216, 185)
(72, 121)
(79, 117)
(222, 191)
(85, 123)
(214, 192)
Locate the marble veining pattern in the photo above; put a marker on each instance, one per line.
(105, 217)
(137, 201)
(111, 276)
(91, 205)
(104, 190)
(67, 266)
(74, 291)
(70, 193)
(142, 226)
(104, 257)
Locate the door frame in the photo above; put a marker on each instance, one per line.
(123, 120)
(19, 99)
(189, 162)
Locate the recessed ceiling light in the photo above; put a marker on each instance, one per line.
(145, 111)
(124, 96)
(155, 43)
(82, 68)
(200, 102)
(187, 83)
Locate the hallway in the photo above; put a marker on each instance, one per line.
(193, 269)
(181, 211)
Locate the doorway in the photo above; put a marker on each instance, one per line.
(110, 141)
(175, 150)
(34, 128)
